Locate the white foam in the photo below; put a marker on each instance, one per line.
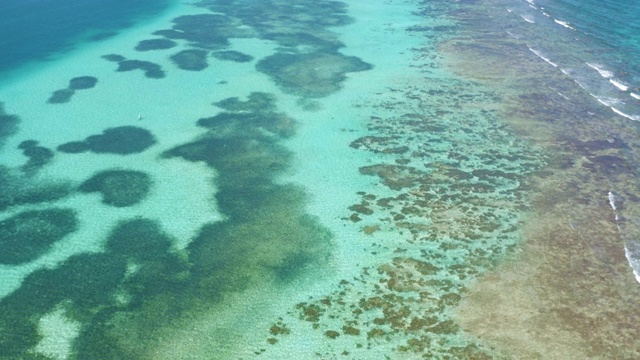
(612, 201)
(619, 85)
(604, 73)
(527, 18)
(563, 23)
(634, 262)
(566, 71)
(509, 10)
(539, 54)
(604, 100)
(635, 96)
(545, 14)
(511, 34)
(631, 117)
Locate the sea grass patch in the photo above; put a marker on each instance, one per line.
(206, 31)
(17, 189)
(39, 156)
(113, 57)
(119, 188)
(192, 60)
(122, 140)
(78, 83)
(310, 74)
(232, 55)
(151, 70)
(8, 124)
(29, 234)
(91, 279)
(139, 239)
(82, 82)
(155, 44)
(61, 96)
(257, 102)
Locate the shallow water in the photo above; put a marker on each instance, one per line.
(318, 180)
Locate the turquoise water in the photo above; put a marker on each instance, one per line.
(309, 179)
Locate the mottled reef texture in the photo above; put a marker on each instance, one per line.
(570, 292)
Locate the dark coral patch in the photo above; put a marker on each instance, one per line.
(155, 44)
(119, 188)
(78, 83)
(140, 239)
(312, 74)
(90, 280)
(17, 190)
(305, 42)
(151, 70)
(61, 96)
(192, 60)
(113, 57)
(39, 156)
(26, 236)
(8, 124)
(208, 31)
(274, 123)
(121, 140)
(258, 102)
(82, 82)
(74, 147)
(254, 117)
(143, 242)
(231, 55)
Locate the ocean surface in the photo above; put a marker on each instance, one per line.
(315, 179)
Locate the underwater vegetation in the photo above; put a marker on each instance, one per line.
(310, 74)
(29, 234)
(119, 188)
(232, 55)
(18, 190)
(122, 140)
(78, 83)
(192, 60)
(155, 44)
(151, 70)
(307, 63)
(39, 156)
(8, 124)
(206, 31)
(138, 285)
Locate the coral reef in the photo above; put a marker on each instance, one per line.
(78, 83)
(192, 60)
(29, 234)
(119, 188)
(122, 140)
(155, 44)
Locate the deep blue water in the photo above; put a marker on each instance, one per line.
(33, 29)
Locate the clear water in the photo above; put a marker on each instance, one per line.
(318, 179)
